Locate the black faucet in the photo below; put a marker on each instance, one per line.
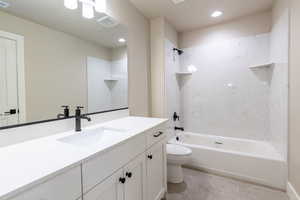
(175, 117)
(66, 113)
(178, 128)
(78, 118)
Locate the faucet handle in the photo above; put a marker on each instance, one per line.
(79, 107)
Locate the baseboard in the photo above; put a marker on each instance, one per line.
(293, 195)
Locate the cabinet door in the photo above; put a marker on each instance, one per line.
(110, 189)
(156, 165)
(135, 173)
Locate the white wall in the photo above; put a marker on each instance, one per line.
(279, 79)
(158, 88)
(163, 37)
(294, 98)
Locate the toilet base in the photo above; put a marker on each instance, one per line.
(175, 174)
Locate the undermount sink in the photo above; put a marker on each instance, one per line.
(91, 138)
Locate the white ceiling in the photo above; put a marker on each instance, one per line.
(52, 13)
(193, 14)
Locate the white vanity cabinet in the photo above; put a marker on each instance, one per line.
(133, 169)
(66, 186)
(156, 171)
(127, 183)
(142, 178)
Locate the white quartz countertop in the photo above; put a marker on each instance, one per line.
(25, 164)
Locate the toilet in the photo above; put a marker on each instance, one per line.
(177, 156)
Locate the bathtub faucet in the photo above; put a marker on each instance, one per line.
(178, 128)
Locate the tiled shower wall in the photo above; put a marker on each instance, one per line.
(119, 91)
(279, 81)
(224, 97)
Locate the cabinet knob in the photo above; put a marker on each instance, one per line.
(122, 180)
(129, 174)
(150, 157)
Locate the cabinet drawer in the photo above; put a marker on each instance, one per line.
(95, 170)
(66, 186)
(156, 134)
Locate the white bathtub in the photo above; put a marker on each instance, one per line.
(248, 160)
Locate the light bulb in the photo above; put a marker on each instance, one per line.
(87, 10)
(100, 6)
(71, 4)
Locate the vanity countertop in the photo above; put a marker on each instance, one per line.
(25, 164)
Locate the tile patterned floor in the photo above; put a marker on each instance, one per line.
(203, 186)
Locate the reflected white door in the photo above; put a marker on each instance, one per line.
(9, 108)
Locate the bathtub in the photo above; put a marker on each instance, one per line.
(248, 160)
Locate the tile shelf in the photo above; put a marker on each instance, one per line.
(184, 73)
(110, 79)
(266, 65)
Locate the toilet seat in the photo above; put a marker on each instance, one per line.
(173, 149)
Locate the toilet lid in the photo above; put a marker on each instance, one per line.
(178, 150)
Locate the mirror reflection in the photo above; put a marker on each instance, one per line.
(49, 64)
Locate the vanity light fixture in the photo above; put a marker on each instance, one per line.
(88, 7)
(122, 40)
(216, 14)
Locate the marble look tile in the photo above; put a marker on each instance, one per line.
(202, 186)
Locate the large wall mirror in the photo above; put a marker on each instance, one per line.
(52, 56)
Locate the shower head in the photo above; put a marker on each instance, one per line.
(179, 51)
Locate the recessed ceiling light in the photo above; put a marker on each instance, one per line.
(217, 13)
(178, 1)
(122, 40)
(4, 4)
